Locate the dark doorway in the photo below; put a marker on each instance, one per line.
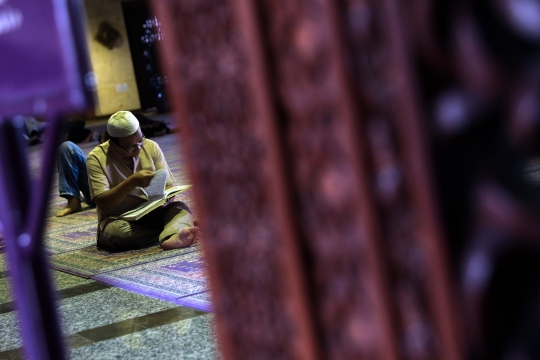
(144, 33)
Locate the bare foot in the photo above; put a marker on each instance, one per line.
(186, 237)
(73, 205)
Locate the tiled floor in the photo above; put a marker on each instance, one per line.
(102, 322)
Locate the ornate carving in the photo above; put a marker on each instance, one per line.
(255, 277)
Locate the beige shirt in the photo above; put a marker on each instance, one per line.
(106, 169)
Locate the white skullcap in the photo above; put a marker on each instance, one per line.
(122, 124)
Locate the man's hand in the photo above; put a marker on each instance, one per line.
(113, 197)
(142, 178)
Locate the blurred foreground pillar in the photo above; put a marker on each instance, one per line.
(318, 238)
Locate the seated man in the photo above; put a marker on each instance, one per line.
(72, 162)
(116, 170)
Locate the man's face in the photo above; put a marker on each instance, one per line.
(130, 145)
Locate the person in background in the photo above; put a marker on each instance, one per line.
(75, 131)
(72, 178)
(32, 129)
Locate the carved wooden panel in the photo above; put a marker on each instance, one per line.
(359, 168)
(228, 127)
(329, 176)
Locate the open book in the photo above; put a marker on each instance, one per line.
(156, 194)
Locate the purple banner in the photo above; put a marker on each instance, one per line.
(41, 68)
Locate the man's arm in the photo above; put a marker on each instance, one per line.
(113, 197)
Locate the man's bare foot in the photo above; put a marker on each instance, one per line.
(186, 237)
(73, 205)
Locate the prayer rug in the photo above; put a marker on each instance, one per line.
(71, 232)
(173, 279)
(177, 276)
(91, 261)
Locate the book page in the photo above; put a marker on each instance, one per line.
(156, 189)
(176, 190)
(153, 203)
(142, 209)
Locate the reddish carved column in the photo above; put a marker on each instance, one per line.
(300, 122)
(339, 222)
(437, 288)
(220, 96)
(427, 320)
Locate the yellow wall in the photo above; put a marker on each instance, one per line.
(116, 85)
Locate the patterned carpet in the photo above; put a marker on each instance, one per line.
(176, 275)
(90, 261)
(70, 233)
(178, 279)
